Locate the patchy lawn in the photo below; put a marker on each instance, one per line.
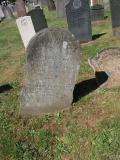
(89, 130)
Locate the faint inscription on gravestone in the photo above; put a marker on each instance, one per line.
(53, 59)
(78, 18)
(115, 12)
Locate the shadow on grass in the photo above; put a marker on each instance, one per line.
(5, 87)
(96, 36)
(85, 87)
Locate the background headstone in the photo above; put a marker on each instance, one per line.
(107, 61)
(1, 13)
(7, 12)
(97, 12)
(26, 29)
(38, 19)
(53, 61)
(115, 12)
(60, 8)
(79, 20)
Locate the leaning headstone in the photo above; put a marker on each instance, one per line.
(26, 29)
(79, 20)
(38, 19)
(60, 8)
(107, 62)
(53, 61)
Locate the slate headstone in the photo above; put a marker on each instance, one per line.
(38, 19)
(79, 20)
(115, 12)
(53, 61)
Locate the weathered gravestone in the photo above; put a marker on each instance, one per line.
(38, 19)
(107, 65)
(78, 18)
(53, 60)
(60, 8)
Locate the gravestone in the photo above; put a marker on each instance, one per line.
(78, 18)
(38, 19)
(26, 29)
(1, 14)
(7, 12)
(60, 8)
(53, 61)
(97, 12)
(115, 12)
(107, 61)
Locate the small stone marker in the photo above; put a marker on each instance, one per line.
(60, 8)
(38, 19)
(107, 61)
(26, 29)
(53, 61)
(115, 12)
(78, 18)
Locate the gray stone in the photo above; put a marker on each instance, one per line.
(1, 13)
(106, 65)
(53, 61)
(115, 12)
(60, 8)
(7, 12)
(78, 18)
(38, 19)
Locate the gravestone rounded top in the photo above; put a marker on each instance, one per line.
(53, 61)
(107, 61)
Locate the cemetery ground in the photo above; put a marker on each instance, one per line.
(89, 130)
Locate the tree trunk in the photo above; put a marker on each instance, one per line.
(20, 7)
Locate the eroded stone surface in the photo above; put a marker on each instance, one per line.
(53, 61)
(108, 61)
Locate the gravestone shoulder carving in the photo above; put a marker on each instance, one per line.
(53, 61)
(107, 62)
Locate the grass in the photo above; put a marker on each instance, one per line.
(89, 130)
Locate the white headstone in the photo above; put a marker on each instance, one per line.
(26, 29)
